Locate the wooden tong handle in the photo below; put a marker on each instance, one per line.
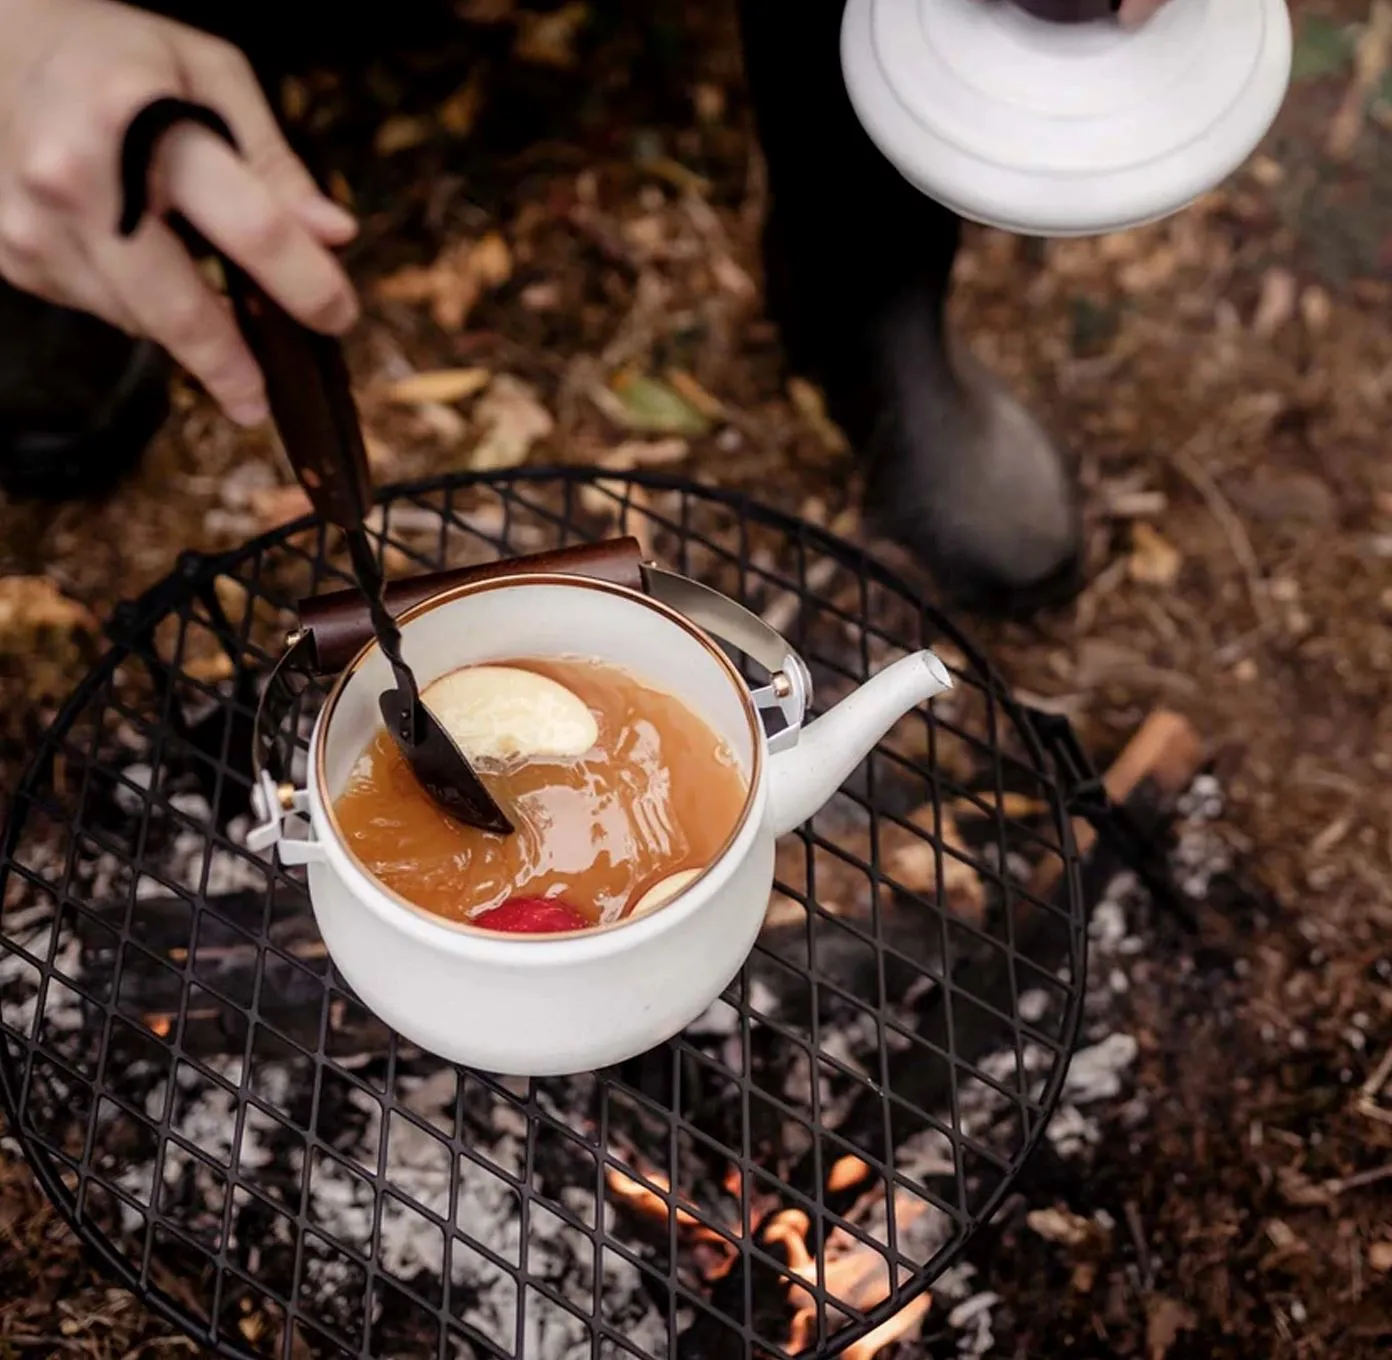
(338, 620)
(307, 382)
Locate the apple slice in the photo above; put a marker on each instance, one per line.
(531, 916)
(500, 712)
(663, 891)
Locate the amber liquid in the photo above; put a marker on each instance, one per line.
(658, 792)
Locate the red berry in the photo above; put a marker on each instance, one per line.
(531, 916)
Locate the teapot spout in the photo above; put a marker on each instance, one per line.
(804, 778)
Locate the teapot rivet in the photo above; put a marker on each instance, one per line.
(782, 686)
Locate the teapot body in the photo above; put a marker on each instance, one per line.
(553, 1004)
(536, 1008)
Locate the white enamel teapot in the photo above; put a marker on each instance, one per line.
(547, 1005)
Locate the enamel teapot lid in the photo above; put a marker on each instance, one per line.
(1049, 128)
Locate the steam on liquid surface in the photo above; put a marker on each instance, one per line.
(659, 792)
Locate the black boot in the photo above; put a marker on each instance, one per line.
(859, 264)
(79, 401)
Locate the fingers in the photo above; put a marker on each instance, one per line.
(237, 211)
(222, 76)
(167, 298)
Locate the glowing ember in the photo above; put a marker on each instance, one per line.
(848, 1171)
(852, 1272)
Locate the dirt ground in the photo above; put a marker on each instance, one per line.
(562, 210)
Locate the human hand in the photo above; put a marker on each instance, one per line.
(73, 73)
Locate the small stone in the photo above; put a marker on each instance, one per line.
(1380, 1257)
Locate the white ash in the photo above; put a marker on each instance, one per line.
(973, 1319)
(1101, 1074)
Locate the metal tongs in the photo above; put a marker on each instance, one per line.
(311, 399)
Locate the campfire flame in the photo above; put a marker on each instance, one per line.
(851, 1272)
(656, 1205)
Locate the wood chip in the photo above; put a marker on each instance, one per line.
(1154, 560)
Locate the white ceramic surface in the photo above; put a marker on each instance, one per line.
(540, 1006)
(1054, 129)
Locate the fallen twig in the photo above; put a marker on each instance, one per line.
(1234, 530)
(1338, 1184)
(1368, 1102)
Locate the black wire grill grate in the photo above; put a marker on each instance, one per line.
(248, 1149)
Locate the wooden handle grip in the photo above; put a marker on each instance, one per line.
(339, 624)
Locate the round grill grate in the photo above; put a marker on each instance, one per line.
(248, 1149)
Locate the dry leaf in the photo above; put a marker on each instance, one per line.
(294, 99)
(512, 419)
(1166, 1319)
(644, 453)
(438, 385)
(445, 422)
(549, 39)
(340, 189)
(414, 283)
(454, 282)
(1154, 560)
(676, 174)
(1012, 804)
(401, 132)
(381, 457)
(490, 261)
(1059, 1225)
(648, 406)
(1276, 305)
(277, 505)
(732, 278)
(1370, 62)
(32, 604)
(811, 406)
(459, 113)
(912, 862)
(211, 668)
(690, 390)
